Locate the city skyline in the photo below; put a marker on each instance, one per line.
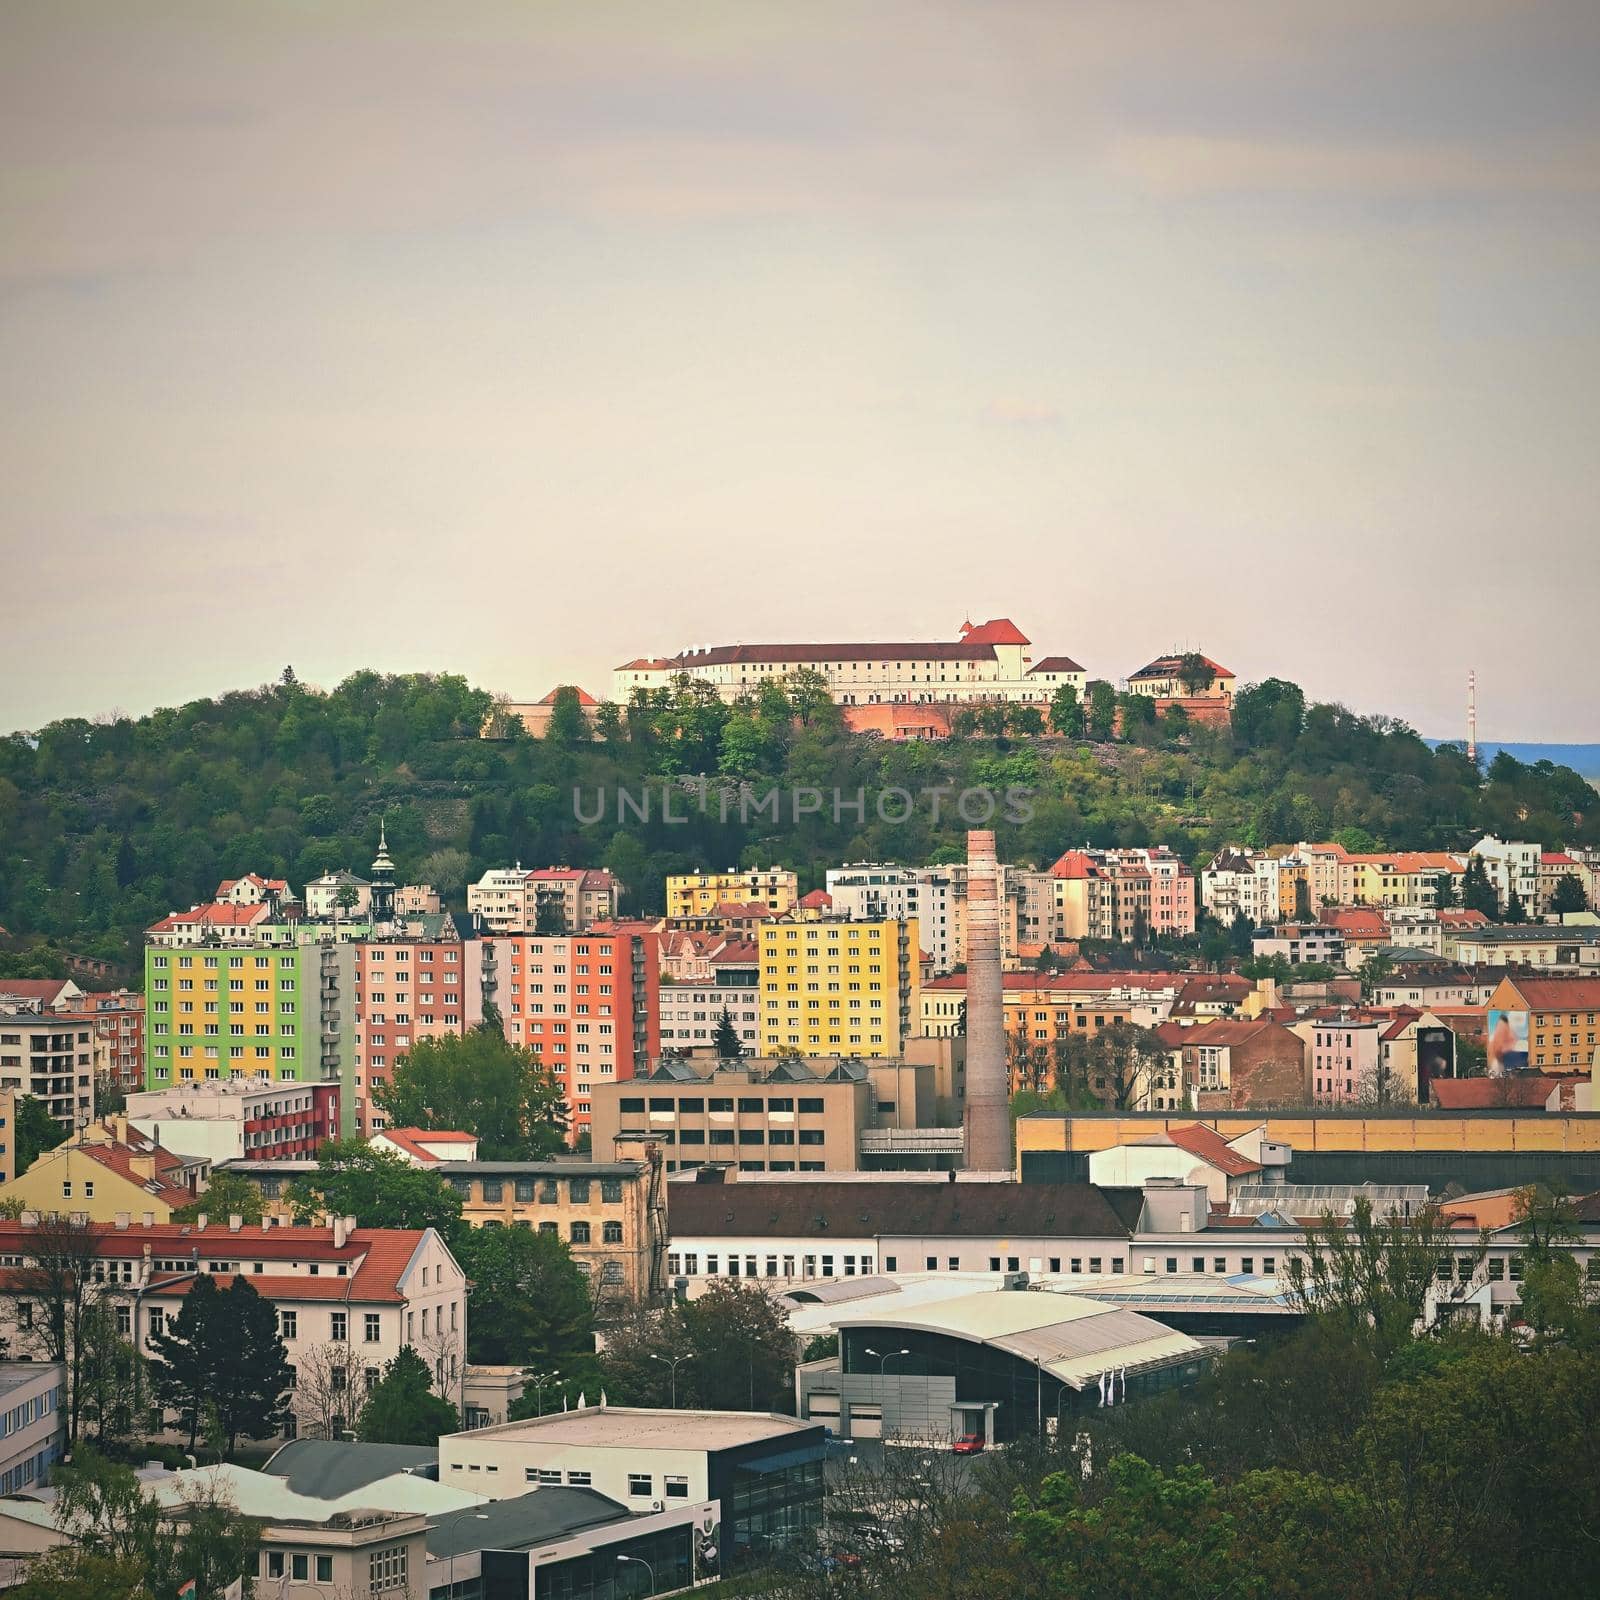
(516, 342)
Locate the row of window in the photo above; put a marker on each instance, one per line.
(746, 1136)
(691, 1104)
(491, 1191)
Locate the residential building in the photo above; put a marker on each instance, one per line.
(1300, 944)
(425, 983)
(609, 1213)
(696, 895)
(238, 1119)
(426, 1147)
(1194, 1154)
(417, 900)
(764, 1115)
(690, 1011)
(207, 924)
(786, 1231)
(1557, 949)
(839, 988)
(987, 662)
(1239, 883)
(1363, 929)
(117, 1021)
(1553, 1019)
(543, 899)
(8, 1134)
(1085, 1000)
(588, 1005)
(764, 1471)
(32, 1434)
(227, 1011)
(1122, 896)
(347, 1298)
(44, 994)
(107, 1169)
(1512, 867)
(1342, 1051)
(49, 1056)
(254, 890)
(1162, 679)
(1240, 1064)
(339, 896)
(874, 892)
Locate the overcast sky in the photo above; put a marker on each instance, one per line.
(520, 339)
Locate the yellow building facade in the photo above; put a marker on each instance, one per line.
(698, 894)
(839, 988)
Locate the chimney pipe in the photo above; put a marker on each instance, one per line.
(988, 1117)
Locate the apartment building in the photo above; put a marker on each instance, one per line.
(1123, 896)
(106, 1169)
(238, 1119)
(348, 1299)
(409, 987)
(588, 1005)
(226, 1011)
(1553, 1019)
(1512, 867)
(1300, 944)
(1237, 1064)
(690, 1011)
(839, 988)
(695, 896)
(1342, 1056)
(1072, 1001)
(49, 1056)
(1239, 883)
(875, 892)
(1556, 949)
(543, 899)
(1162, 679)
(32, 1434)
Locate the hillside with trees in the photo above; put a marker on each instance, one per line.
(105, 826)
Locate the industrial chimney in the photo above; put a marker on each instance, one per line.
(988, 1120)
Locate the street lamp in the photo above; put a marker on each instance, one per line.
(639, 1562)
(884, 1357)
(482, 1516)
(537, 1381)
(672, 1361)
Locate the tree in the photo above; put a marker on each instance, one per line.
(1477, 893)
(1444, 890)
(57, 1280)
(1557, 1301)
(567, 725)
(1377, 971)
(330, 1386)
(1026, 721)
(37, 1131)
(479, 1080)
(226, 1195)
(70, 1573)
(1066, 713)
(809, 696)
(187, 1352)
(1371, 1276)
(1195, 673)
(1113, 1066)
(727, 1043)
(1102, 711)
(103, 1508)
(739, 1348)
(379, 1188)
(549, 916)
(530, 1303)
(1270, 713)
(1568, 896)
(402, 1408)
(112, 1378)
(253, 1374)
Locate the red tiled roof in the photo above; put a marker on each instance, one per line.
(1227, 1030)
(1355, 922)
(1169, 666)
(1213, 1149)
(817, 898)
(1463, 919)
(1555, 858)
(584, 697)
(1068, 982)
(725, 655)
(212, 916)
(736, 953)
(45, 989)
(1523, 1089)
(1559, 994)
(1058, 664)
(999, 630)
(1075, 864)
(414, 1141)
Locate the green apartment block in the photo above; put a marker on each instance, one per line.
(244, 1011)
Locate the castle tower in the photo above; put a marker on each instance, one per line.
(382, 879)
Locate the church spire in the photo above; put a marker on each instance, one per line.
(382, 878)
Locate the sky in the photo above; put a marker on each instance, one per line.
(520, 339)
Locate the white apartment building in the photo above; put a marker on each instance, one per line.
(542, 899)
(690, 1011)
(31, 1433)
(988, 662)
(877, 892)
(1240, 883)
(348, 1299)
(50, 1057)
(1512, 867)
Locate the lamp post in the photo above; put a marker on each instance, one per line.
(884, 1357)
(640, 1562)
(537, 1382)
(672, 1361)
(482, 1516)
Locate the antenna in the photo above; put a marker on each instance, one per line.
(1472, 715)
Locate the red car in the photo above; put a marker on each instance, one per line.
(969, 1444)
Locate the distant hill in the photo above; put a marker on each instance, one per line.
(1584, 759)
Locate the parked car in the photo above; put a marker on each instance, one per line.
(969, 1444)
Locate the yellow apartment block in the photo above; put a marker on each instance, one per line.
(698, 894)
(839, 988)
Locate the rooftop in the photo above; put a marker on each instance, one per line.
(326, 1469)
(641, 1428)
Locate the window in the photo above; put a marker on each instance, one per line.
(299, 1566)
(640, 1483)
(677, 1488)
(386, 1569)
(289, 1324)
(580, 1191)
(373, 1320)
(580, 1233)
(612, 1233)
(578, 1480)
(339, 1326)
(274, 1563)
(324, 1569)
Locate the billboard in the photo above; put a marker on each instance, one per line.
(1436, 1058)
(1508, 1042)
